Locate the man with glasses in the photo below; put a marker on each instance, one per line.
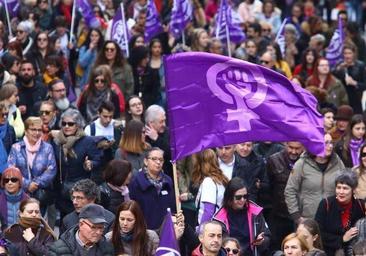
(84, 192)
(57, 93)
(31, 90)
(86, 238)
(268, 60)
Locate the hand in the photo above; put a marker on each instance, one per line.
(351, 233)
(151, 133)
(350, 81)
(70, 45)
(258, 183)
(22, 109)
(183, 197)
(92, 45)
(179, 225)
(28, 234)
(88, 165)
(179, 216)
(259, 239)
(32, 187)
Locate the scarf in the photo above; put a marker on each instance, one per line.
(158, 182)
(68, 142)
(122, 189)
(127, 237)
(3, 153)
(35, 223)
(31, 150)
(94, 101)
(354, 146)
(346, 215)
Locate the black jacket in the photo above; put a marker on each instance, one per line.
(110, 199)
(31, 97)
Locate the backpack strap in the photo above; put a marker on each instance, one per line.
(92, 129)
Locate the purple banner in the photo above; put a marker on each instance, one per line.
(153, 26)
(119, 32)
(280, 37)
(87, 12)
(334, 51)
(13, 7)
(168, 244)
(182, 13)
(226, 101)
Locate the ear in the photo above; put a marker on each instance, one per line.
(315, 237)
(145, 161)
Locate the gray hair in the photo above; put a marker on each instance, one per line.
(75, 115)
(152, 112)
(26, 26)
(148, 152)
(88, 187)
(347, 177)
(203, 226)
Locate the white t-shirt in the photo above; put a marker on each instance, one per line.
(227, 169)
(207, 194)
(100, 130)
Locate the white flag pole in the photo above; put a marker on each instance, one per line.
(124, 29)
(228, 39)
(72, 21)
(8, 18)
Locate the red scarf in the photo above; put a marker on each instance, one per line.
(346, 214)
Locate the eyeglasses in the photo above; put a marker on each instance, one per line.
(239, 197)
(94, 228)
(110, 49)
(40, 39)
(363, 154)
(12, 179)
(265, 62)
(60, 90)
(45, 112)
(69, 124)
(99, 81)
(5, 115)
(155, 159)
(35, 130)
(234, 251)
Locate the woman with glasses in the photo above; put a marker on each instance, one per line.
(133, 145)
(112, 55)
(88, 54)
(76, 156)
(9, 95)
(231, 246)
(98, 90)
(151, 184)
(243, 219)
(31, 235)
(348, 148)
(48, 114)
(134, 109)
(7, 136)
(11, 195)
(36, 160)
(130, 235)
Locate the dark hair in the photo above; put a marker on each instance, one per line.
(313, 228)
(100, 70)
(107, 105)
(128, 115)
(347, 177)
(53, 82)
(256, 27)
(60, 21)
(137, 55)
(234, 185)
(131, 43)
(100, 42)
(361, 166)
(356, 119)
(17, 46)
(131, 140)
(88, 187)
(56, 61)
(49, 44)
(119, 61)
(305, 53)
(139, 237)
(152, 42)
(27, 201)
(27, 61)
(323, 111)
(117, 172)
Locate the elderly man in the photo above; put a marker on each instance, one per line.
(87, 237)
(210, 237)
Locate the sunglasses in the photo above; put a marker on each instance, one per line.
(45, 112)
(363, 154)
(239, 197)
(13, 180)
(69, 124)
(20, 31)
(99, 81)
(234, 251)
(110, 49)
(265, 62)
(42, 39)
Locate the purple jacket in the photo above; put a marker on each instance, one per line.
(153, 205)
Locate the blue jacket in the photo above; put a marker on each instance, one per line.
(86, 61)
(153, 205)
(44, 165)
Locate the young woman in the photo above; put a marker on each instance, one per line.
(134, 109)
(360, 170)
(130, 235)
(156, 63)
(199, 40)
(231, 246)
(294, 245)
(309, 230)
(306, 68)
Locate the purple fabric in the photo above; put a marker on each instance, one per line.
(230, 18)
(334, 51)
(280, 37)
(226, 101)
(120, 33)
(153, 25)
(208, 212)
(182, 13)
(88, 14)
(354, 146)
(13, 7)
(168, 244)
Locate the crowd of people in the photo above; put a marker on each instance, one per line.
(85, 157)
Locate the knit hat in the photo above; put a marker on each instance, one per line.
(12, 172)
(344, 112)
(8, 60)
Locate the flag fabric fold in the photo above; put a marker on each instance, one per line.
(168, 245)
(87, 11)
(228, 22)
(153, 25)
(119, 32)
(13, 7)
(280, 37)
(334, 51)
(227, 101)
(181, 14)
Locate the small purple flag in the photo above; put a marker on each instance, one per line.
(13, 7)
(88, 14)
(119, 32)
(228, 24)
(168, 244)
(280, 37)
(226, 101)
(334, 51)
(153, 25)
(181, 14)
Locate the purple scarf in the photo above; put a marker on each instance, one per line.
(354, 146)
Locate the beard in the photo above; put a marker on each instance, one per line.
(62, 104)
(26, 79)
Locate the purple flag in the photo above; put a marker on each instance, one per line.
(280, 37)
(119, 32)
(228, 24)
(152, 25)
(227, 101)
(13, 7)
(168, 244)
(181, 14)
(88, 14)
(334, 51)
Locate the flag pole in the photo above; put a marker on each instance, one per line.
(176, 189)
(228, 39)
(72, 21)
(8, 18)
(124, 29)
(183, 38)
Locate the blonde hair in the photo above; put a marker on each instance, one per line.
(32, 120)
(303, 244)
